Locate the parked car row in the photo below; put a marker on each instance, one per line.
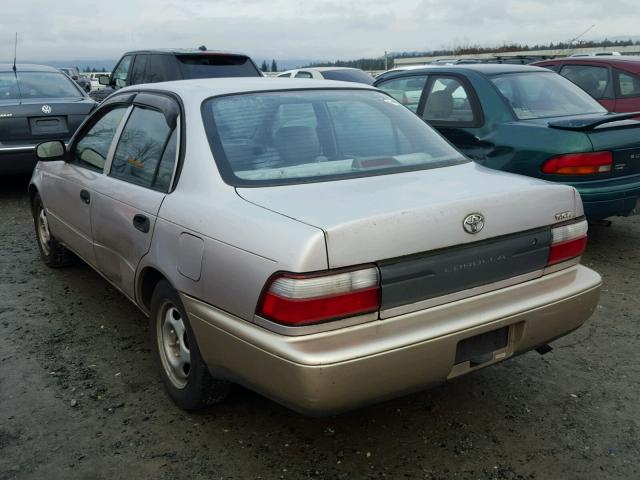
(333, 244)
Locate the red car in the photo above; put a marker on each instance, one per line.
(614, 81)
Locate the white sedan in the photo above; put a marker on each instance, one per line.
(343, 74)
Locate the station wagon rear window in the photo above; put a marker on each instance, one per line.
(301, 136)
(544, 95)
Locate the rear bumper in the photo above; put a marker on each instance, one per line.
(333, 371)
(17, 159)
(608, 198)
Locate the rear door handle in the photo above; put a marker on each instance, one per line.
(85, 196)
(142, 223)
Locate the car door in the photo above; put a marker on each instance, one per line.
(627, 87)
(450, 105)
(594, 79)
(69, 186)
(137, 177)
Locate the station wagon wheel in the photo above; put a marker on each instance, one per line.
(53, 253)
(173, 345)
(184, 373)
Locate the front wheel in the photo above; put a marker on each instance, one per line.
(184, 373)
(53, 253)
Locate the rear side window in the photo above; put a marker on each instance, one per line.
(593, 80)
(216, 66)
(406, 90)
(141, 147)
(92, 148)
(449, 102)
(628, 85)
(162, 68)
(287, 137)
(304, 75)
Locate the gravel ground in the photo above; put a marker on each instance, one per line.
(79, 396)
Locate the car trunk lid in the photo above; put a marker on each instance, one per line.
(617, 133)
(34, 120)
(377, 219)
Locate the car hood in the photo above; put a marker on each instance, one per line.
(387, 216)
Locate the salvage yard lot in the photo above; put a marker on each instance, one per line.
(80, 397)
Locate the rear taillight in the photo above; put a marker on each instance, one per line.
(579, 164)
(568, 241)
(293, 299)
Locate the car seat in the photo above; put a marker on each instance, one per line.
(297, 145)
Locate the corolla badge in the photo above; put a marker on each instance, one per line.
(46, 109)
(473, 223)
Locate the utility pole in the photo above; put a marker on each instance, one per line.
(386, 67)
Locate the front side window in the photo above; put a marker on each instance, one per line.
(406, 90)
(448, 102)
(628, 85)
(293, 136)
(36, 85)
(140, 148)
(593, 80)
(138, 74)
(544, 95)
(92, 148)
(122, 71)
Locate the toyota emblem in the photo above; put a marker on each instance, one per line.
(46, 109)
(473, 223)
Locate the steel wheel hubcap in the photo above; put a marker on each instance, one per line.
(173, 345)
(44, 236)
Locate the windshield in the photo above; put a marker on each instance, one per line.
(544, 95)
(314, 135)
(357, 76)
(36, 85)
(216, 66)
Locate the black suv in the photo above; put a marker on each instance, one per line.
(151, 66)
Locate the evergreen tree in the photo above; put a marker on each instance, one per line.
(274, 66)
(264, 66)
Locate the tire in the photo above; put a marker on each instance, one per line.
(53, 253)
(184, 373)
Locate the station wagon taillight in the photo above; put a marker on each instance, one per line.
(568, 241)
(579, 164)
(298, 299)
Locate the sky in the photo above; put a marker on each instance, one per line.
(299, 29)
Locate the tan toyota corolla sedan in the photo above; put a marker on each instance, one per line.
(314, 241)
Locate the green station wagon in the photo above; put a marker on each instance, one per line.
(531, 121)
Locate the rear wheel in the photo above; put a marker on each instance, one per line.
(184, 372)
(53, 253)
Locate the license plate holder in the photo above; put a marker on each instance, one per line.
(479, 349)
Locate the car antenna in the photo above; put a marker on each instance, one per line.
(15, 71)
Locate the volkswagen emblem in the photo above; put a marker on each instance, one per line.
(473, 223)
(46, 109)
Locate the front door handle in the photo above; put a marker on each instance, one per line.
(85, 196)
(142, 223)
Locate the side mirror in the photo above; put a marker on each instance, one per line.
(74, 77)
(51, 151)
(104, 80)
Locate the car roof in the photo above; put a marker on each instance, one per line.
(27, 67)
(202, 88)
(623, 61)
(483, 68)
(184, 51)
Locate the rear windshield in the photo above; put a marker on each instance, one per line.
(216, 66)
(36, 85)
(357, 76)
(544, 95)
(301, 136)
